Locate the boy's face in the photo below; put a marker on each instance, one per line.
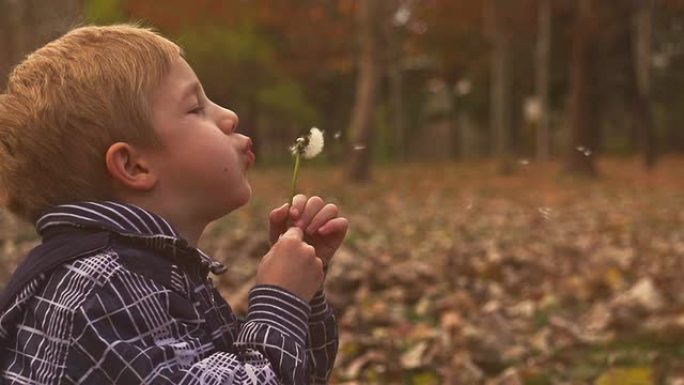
(203, 163)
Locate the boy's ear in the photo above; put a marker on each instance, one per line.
(129, 168)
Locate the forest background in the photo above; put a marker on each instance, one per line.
(512, 170)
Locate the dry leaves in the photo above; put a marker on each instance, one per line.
(454, 275)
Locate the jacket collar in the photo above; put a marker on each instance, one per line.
(118, 217)
(125, 219)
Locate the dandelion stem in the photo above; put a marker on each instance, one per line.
(295, 174)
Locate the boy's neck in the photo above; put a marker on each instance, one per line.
(190, 233)
(189, 230)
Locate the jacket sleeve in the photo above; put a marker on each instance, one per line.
(134, 331)
(323, 340)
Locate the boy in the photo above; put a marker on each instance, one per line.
(109, 145)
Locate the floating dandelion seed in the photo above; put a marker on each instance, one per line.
(338, 134)
(359, 147)
(584, 150)
(524, 162)
(545, 213)
(469, 206)
(305, 147)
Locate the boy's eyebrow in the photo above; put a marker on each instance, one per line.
(193, 88)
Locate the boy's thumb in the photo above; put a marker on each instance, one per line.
(294, 233)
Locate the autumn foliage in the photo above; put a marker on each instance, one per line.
(452, 274)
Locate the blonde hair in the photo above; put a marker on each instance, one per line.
(66, 103)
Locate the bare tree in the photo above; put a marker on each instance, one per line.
(583, 127)
(394, 37)
(542, 79)
(12, 36)
(641, 32)
(360, 129)
(497, 26)
(27, 24)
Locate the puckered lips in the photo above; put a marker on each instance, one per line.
(249, 154)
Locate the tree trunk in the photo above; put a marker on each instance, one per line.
(5, 44)
(582, 99)
(28, 24)
(49, 20)
(641, 32)
(501, 84)
(360, 129)
(13, 37)
(542, 80)
(393, 34)
(395, 95)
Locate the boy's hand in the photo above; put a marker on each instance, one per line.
(292, 264)
(323, 228)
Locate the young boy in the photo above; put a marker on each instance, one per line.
(109, 145)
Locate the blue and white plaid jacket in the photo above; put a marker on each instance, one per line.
(114, 296)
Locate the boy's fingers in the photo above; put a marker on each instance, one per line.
(294, 233)
(313, 206)
(298, 203)
(278, 222)
(327, 213)
(338, 225)
(279, 214)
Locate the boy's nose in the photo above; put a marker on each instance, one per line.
(228, 121)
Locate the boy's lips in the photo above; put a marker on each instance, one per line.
(251, 158)
(249, 154)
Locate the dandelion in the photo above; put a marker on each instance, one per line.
(305, 147)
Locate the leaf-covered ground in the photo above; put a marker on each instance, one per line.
(452, 274)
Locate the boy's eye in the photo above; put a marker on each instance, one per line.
(197, 110)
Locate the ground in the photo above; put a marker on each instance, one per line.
(452, 274)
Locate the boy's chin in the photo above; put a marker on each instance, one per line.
(247, 199)
(242, 201)
(248, 195)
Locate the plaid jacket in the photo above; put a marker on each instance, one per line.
(114, 296)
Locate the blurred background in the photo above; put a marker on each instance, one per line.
(513, 171)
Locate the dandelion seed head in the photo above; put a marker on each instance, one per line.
(315, 145)
(298, 146)
(310, 145)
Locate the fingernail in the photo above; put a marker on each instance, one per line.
(299, 224)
